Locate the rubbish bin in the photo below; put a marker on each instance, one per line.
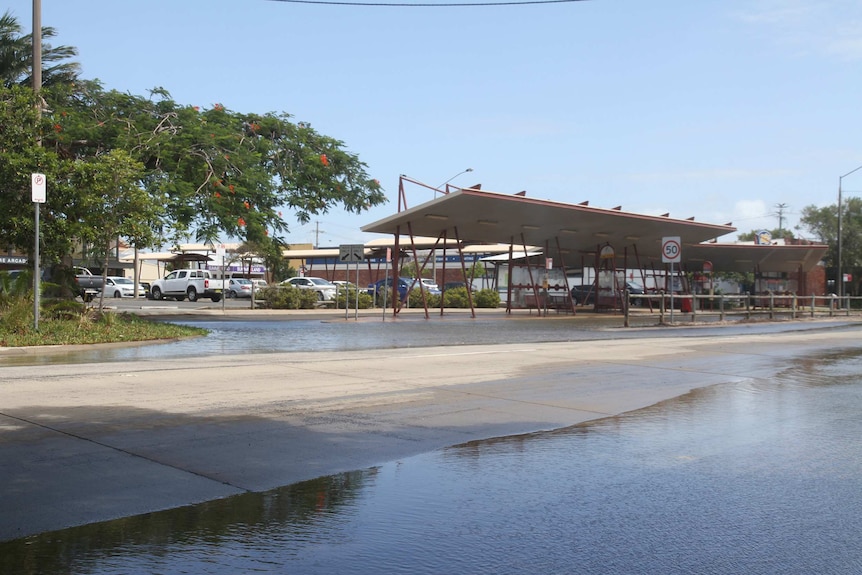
(685, 305)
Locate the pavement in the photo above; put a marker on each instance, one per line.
(82, 443)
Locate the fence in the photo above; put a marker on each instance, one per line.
(737, 307)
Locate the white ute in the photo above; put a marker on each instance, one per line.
(192, 284)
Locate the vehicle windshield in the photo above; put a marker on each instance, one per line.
(122, 281)
(242, 281)
(321, 282)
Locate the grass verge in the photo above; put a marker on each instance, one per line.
(107, 327)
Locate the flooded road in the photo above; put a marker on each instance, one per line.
(277, 335)
(761, 476)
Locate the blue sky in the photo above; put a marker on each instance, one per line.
(718, 110)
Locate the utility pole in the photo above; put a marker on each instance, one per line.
(37, 88)
(317, 232)
(781, 208)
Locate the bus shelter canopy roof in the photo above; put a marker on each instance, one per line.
(575, 234)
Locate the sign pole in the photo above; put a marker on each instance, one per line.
(671, 252)
(356, 313)
(36, 275)
(347, 254)
(38, 191)
(671, 291)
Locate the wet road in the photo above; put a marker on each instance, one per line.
(82, 441)
(241, 331)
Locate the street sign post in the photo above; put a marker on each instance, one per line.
(351, 254)
(671, 253)
(671, 250)
(39, 192)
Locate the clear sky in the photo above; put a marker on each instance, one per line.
(722, 110)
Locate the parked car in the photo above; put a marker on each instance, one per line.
(188, 283)
(634, 291)
(88, 284)
(117, 286)
(238, 287)
(259, 284)
(376, 289)
(429, 284)
(584, 294)
(325, 289)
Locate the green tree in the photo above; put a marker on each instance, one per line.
(21, 156)
(208, 173)
(114, 204)
(410, 269)
(16, 56)
(822, 223)
(216, 172)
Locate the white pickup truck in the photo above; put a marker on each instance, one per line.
(192, 284)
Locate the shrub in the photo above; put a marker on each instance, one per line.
(365, 300)
(415, 299)
(16, 314)
(288, 297)
(62, 309)
(487, 298)
(456, 297)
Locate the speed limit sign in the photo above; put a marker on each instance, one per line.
(671, 250)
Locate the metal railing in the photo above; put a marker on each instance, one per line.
(695, 308)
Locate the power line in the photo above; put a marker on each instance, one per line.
(427, 4)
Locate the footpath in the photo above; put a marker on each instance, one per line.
(82, 443)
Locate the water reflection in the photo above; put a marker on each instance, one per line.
(248, 521)
(757, 477)
(302, 335)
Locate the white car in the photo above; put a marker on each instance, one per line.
(238, 287)
(116, 286)
(430, 285)
(325, 289)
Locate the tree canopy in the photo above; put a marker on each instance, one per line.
(16, 56)
(184, 171)
(822, 222)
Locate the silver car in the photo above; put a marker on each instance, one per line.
(325, 289)
(238, 287)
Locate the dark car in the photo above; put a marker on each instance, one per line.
(376, 289)
(634, 291)
(584, 294)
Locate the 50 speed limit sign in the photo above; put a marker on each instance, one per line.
(671, 250)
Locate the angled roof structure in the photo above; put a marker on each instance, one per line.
(573, 234)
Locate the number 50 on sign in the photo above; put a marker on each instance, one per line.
(671, 250)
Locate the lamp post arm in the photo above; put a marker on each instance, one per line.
(437, 189)
(840, 278)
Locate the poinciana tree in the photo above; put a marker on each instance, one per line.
(216, 172)
(211, 172)
(208, 172)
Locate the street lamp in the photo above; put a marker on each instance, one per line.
(437, 189)
(840, 278)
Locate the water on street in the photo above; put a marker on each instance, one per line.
(755, 477)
